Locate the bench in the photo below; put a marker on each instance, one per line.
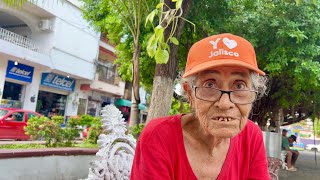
(116, 148)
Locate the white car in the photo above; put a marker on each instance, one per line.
(313, 147)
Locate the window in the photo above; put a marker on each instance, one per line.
(107, 73)
(18, 116)
(31, 115)
(82, 106)
(92, 108)
(12, 91)
(3, 113)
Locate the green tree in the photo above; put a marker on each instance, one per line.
(122, 20)
(106, 20)
(283, 32)
(166, 73)
(286, 39)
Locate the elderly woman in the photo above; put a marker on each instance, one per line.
(216, 140)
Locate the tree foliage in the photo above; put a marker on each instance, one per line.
(286, 38)
(126, 17)
(284, 33)
(168, 18)
(101, 16)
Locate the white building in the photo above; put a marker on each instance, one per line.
(49, 57)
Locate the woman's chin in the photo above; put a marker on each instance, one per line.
(224, 132)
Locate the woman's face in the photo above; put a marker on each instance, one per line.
(220, 117)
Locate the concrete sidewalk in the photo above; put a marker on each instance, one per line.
(307, 168)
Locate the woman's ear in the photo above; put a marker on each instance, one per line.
(186, 87)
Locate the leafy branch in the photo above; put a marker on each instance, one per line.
(157, 45)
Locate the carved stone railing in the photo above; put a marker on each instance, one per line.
(19, 40)
(117, 148)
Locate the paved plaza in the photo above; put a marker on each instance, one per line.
(307, 168)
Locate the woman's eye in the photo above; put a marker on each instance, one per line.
(240, 86)
(209, 84)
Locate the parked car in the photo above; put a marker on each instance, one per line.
(313, 147)
(12, 121)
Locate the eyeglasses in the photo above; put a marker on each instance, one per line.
(236, 96)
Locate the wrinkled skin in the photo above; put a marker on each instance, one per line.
(222, 118)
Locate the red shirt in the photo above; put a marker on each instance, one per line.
(160, 154)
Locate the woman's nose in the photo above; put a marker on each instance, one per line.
(224, 102)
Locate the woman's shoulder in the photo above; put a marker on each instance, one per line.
(163, 126)
(163, 121)
(251, 130)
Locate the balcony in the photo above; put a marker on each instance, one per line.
(108, 74)
(21, 47)
(19, 41)
(107, 80)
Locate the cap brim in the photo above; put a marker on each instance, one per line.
(217, 63)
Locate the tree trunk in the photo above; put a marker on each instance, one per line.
(278, 119)
(163, 82)
(135, 99)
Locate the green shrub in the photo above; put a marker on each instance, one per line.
(58, 119)
(51, 131)
(179, 107)
(94, 131)
(86, 120)
(136, 130)
(71, 130)
(43, 127)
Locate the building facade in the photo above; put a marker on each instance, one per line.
(53, 62)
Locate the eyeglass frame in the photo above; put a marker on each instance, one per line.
(223, 92)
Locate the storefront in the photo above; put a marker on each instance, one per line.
(51, 104)
(125, 107)
(17, 77)
(91, 101)
(96, 103)
(53, 94)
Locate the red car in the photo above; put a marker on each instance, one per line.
(12, 121)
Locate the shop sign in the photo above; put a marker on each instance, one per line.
(58, 81)
(19, 72)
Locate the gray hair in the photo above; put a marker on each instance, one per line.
(259, 83)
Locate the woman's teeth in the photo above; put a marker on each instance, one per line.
(224, 119)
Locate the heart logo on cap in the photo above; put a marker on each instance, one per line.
(230, 43)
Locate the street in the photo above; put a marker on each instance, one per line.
(307, 168)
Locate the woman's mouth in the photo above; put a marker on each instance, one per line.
(223, 119)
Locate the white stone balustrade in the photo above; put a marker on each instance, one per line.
(19, 40)
(116, 149)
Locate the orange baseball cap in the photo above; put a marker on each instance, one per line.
(221, 50)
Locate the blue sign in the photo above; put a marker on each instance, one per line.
(58, 81)
(19, 72)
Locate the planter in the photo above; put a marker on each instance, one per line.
(47, 163)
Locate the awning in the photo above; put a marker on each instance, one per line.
(127, 103)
